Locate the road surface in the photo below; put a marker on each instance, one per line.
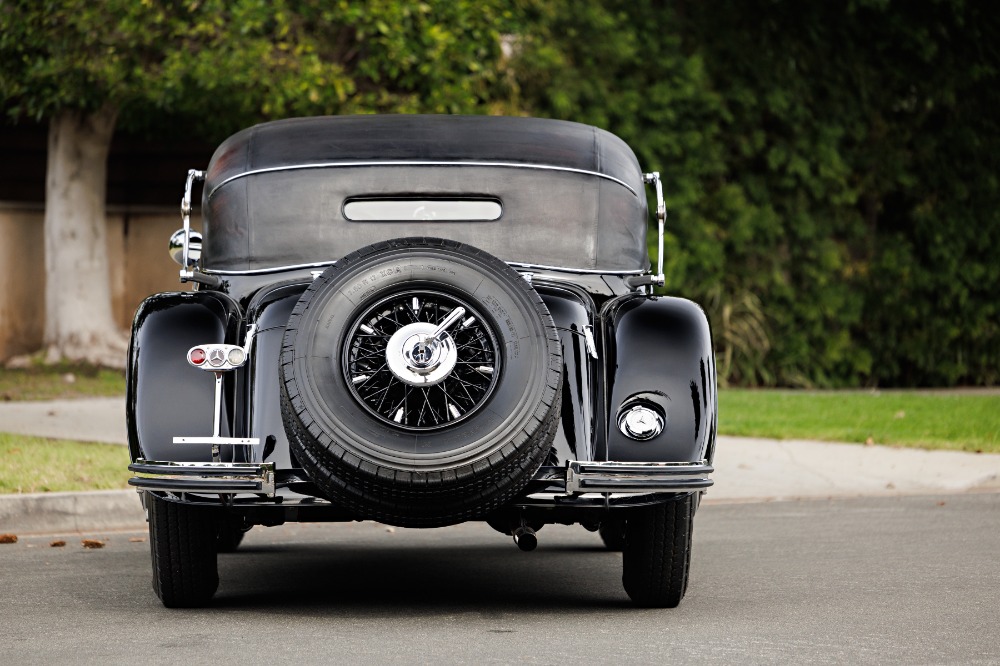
(875, 580)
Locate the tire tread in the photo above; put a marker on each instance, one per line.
(657, 552)
(183, 545)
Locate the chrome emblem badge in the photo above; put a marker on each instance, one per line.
(216, 357)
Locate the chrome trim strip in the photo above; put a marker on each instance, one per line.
(213, 477)
(265, 271)
(334, 165)
(639, 477)
(514, 264)
(580, 271)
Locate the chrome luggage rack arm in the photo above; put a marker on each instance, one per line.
(661, 217)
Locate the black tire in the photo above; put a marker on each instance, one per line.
(657, 552)
(182, 541)
(419, 474)
(230, 533)
(612, 531)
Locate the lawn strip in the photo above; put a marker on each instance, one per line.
(37, 465)
(905, 418)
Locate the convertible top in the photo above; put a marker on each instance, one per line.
(571, 195)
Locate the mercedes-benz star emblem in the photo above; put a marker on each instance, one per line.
(216, 357)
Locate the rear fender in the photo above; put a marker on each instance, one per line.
(165, 396)
(658, 350)
(573, 312)
(269, 310)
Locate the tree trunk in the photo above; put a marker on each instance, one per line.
(79, 324)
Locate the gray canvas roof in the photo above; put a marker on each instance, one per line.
(571, 195)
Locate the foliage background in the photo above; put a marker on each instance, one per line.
(831, 167)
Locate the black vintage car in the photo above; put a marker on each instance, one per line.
(421, 320)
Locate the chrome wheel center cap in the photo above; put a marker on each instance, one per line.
(640, 423)
(417, 359)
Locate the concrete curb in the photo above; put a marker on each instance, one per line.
(93, 511)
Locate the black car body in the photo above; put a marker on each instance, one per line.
(421, 320)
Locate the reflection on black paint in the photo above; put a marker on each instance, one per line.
(704, 391)
(697, 408)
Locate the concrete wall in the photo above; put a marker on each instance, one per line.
(138, 266)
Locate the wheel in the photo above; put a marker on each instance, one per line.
(229, 535)
(657, 552)
(420, 382)
(182, 541)
(612, 531)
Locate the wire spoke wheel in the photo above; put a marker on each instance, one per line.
(418, 387)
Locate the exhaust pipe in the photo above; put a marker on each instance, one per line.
(525, 538)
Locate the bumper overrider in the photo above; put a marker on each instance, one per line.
(636, 477)
(203, 477)
(577, 478)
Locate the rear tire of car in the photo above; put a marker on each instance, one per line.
(390, 465)
(183, 545)
(657, 552)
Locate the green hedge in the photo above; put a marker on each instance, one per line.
(831, 169)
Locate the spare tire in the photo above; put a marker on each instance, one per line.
(401, 421)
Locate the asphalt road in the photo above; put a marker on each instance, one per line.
(879, 580)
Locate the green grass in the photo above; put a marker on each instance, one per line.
(946, 420)
(63, 380)
(38, 465)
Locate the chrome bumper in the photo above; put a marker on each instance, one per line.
(636, 477)
(579, 478)
(203, 477)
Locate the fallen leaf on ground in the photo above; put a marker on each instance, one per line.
(137, 539)
(8, 538)
(92, 543)
(941, 503)
(59, 543)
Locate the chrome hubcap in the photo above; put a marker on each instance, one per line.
(417, 358)
(421, 360)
